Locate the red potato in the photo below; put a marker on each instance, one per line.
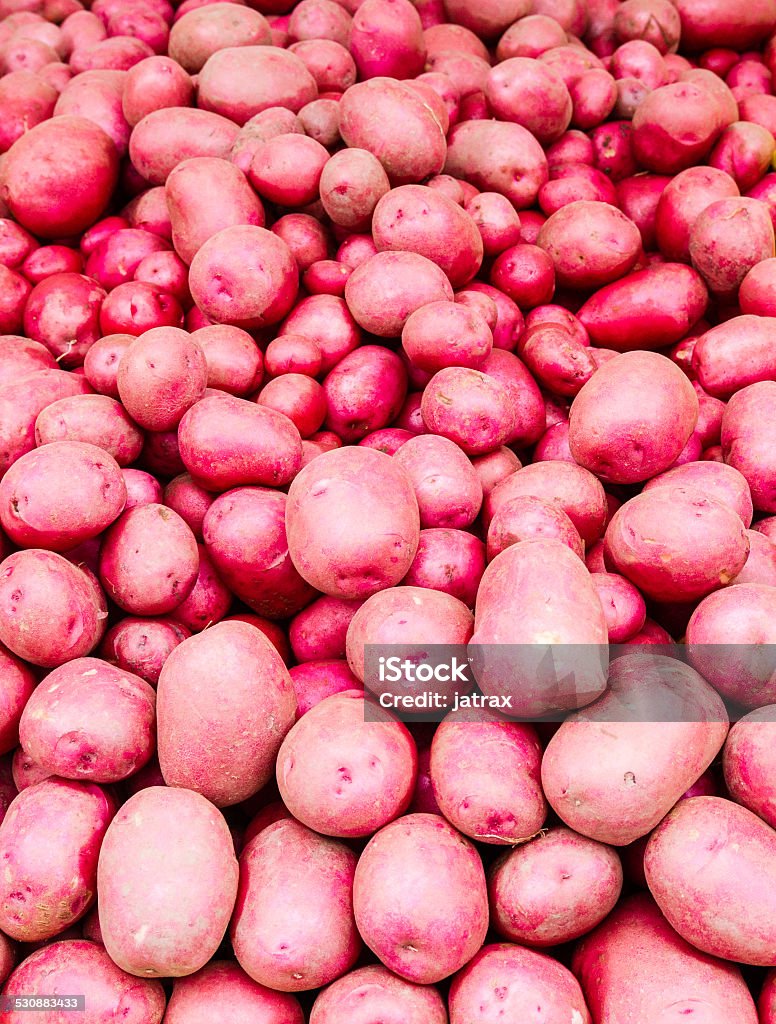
(729, 238)
(60, 495)
(222, 987)
(136, 307)
(446, 485)
(715, 479)
(200, 33)
(161, 375)
(51, 610)
(747, 763)
(19, 682)
(118, 53)
(636, 964)
(141, 646)
(164, 138)
(62, 312)
(239, 82)
(760, 566)
(16, 244)
(632, 418)
(364, 392)
(725, 635)
(245, 537)
(49, 841)
(314, 681)
(657, 21)
(305, 236)
(469, 407)
(386, 40)
(528, 517)
(96, 96)
(487, 20)
(415, 935)
(14, 292)
(161, 453)
(25, 101)
(329, 62)
(149, 560)
(647, 309)
(286, 869)
(224, 264)
(674, 127)
(532, 94)
(258, 129)
(557, 360)
(92, 419)
(567, 485)
(318, 632)
(234, 361)
(497, 221)
(509, 319)
(721, 23)
(292, 353)
(110, 742)
(227, 442)
(49, 260)
(368, 991)
(623, 605)
(743, 151)
(192, 223)
(287, 169)
(86, 966)
(55, 199)
(149, 211)
(590, 244)
(503, 978)
(26, 772)
(747, 441)
(351, 184)
(496, 156)
(155, 83)
(149, 844)
(209, 599)
(244, 714)
(613, 770)
(682, 201)
(526, 274)
(554, 888)
(448, 560)
(495, 467)
(485, 778)
(729, 919)
(386, 289)
(442, 334)
(101, 362)
(653, 541)
(735, 354)
(755, 291)
(298, 397)
(530, 36)
(508, 646)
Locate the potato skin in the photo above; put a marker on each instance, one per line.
(295, 895)
(614, 769)
(91, 419)
(224, 988)
(748, 762)
(333, 545)
(172, 842)
(496, 156)
(239, 82)
(203, 31)
(49, 841)
(635, 968)
(90, 721)
(417, 936)
(727, 908)
(553, 889)
(716, 479)
(224, 697)
(85, 966)
(632, 418)
(373, 992)
(590, 244)
(19, 682)
(165, 138)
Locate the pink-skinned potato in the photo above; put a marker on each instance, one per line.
(575, 490)
(647, 309)
(723, 23)
(161, 375)
(293, 927)
(141, 646)
(176, 844)
(20, 356)
(530, 518)
(485, 777)
(245, 536)
(374, 992)
(748, 762)
(165, 138)
(91, 419)
(633, 417)
(318, 632)
(355, 751)
(535, 594)
(730, 640)
(228, 442)
(682, 201)
(58, 197)
(50, 610)
(90, 721)
(507, 979)
(675, 126)
(239, 82)
(727, 908)
(333, 546)
(676, 544)
(49, 842)
(386, 39)
(760, 565)
(451, 561)
(446, 484)
(735, 354)
(224, 698)
(60, 495)
(223, 988)
(471, 408)
(203, 31)
(78, 964)
(21, 402)
(364, 392)
(405, 616)
(19, 682)
(748, 441)
(613, 770)
(729, 238)
(554, 888)
(496, 156)
(414, 934)
(314, 681)
(716, 479)
(635, 967)
(624, 607)
(386, 289)
(394, 123)
(590, 244)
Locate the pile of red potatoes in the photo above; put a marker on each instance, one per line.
(386, 323)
